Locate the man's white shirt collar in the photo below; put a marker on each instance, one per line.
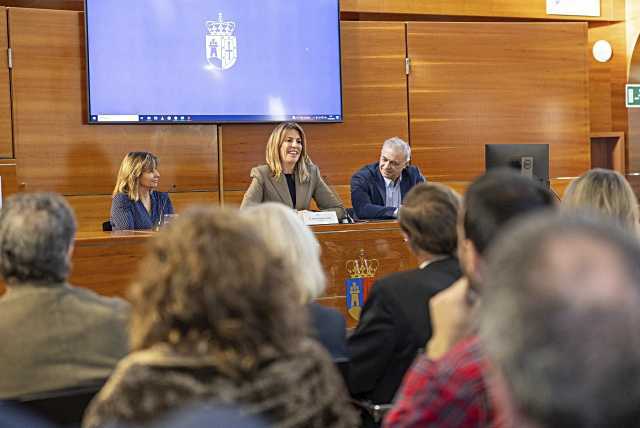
(388, 182)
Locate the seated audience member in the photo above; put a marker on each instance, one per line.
(560, 324)
(215, 320)
(53, 335)
(604, 191)
(136, 202)
(394, 325)
(287, 236)
(452, 391)
(378, 189)
(289, 177)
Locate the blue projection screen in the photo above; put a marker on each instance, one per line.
(213, 61)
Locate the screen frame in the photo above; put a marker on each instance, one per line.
(267, 120)
(502, 155)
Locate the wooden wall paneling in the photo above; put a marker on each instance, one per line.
(608, 151)
(55, 149)
(92, 210)
(632, 23)
(633, 46)
(611, 10)
(46, 4)
(8, 176)
(6, 138)
(478, 83)
(374, 96)
(607, 80)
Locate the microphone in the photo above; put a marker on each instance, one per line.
(161, 216)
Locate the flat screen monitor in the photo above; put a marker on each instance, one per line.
(213, 61)
(531, 160)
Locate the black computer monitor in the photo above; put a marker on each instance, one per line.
(532, 160)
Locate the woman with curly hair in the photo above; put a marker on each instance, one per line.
(214, 320)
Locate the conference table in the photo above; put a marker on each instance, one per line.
(107, 262)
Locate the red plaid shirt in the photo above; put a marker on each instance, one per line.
(446, 393)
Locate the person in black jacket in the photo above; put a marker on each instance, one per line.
(394, 325)
(378, 189)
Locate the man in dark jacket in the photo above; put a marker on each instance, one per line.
(377, 190)
(53, 335)
(395, 323)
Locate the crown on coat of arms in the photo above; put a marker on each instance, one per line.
(220, 27)
(362, 267)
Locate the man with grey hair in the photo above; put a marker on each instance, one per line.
(377, 189)
(53, 335)
(560, 324)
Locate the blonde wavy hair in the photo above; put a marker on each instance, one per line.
(606, 192)
(132, 167)
(301, 170)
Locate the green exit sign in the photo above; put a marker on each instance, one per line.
(633, 96)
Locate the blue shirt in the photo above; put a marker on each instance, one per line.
(132, 215)
(394, 196)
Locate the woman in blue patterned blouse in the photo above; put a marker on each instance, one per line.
(136, 204)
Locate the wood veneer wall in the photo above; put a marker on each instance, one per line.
(6, 141)
(611, 10)
(633, 41)
(55, 150)
(479, 83)
(607, 79)
(375, 107)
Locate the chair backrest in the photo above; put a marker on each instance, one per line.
(63, 407)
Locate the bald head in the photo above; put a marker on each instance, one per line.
(561, 322)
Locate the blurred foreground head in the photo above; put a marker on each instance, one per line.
(428, 219)
(560, 322)
(490, 203)
(211, 285)
(36, 235)
(288, 237)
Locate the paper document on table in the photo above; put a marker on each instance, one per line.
(311, 218)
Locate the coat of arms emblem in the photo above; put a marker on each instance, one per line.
(361, 276)
(221, 46)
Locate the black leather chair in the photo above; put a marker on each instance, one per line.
(63, 407)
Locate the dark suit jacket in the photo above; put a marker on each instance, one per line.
(394, 325)
(368, 192)
(329, 327)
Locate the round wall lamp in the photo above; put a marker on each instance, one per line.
(602, 51)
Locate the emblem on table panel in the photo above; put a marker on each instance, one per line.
(361, 275)
(221, 46)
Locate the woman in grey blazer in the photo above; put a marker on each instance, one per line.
(289, 177)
